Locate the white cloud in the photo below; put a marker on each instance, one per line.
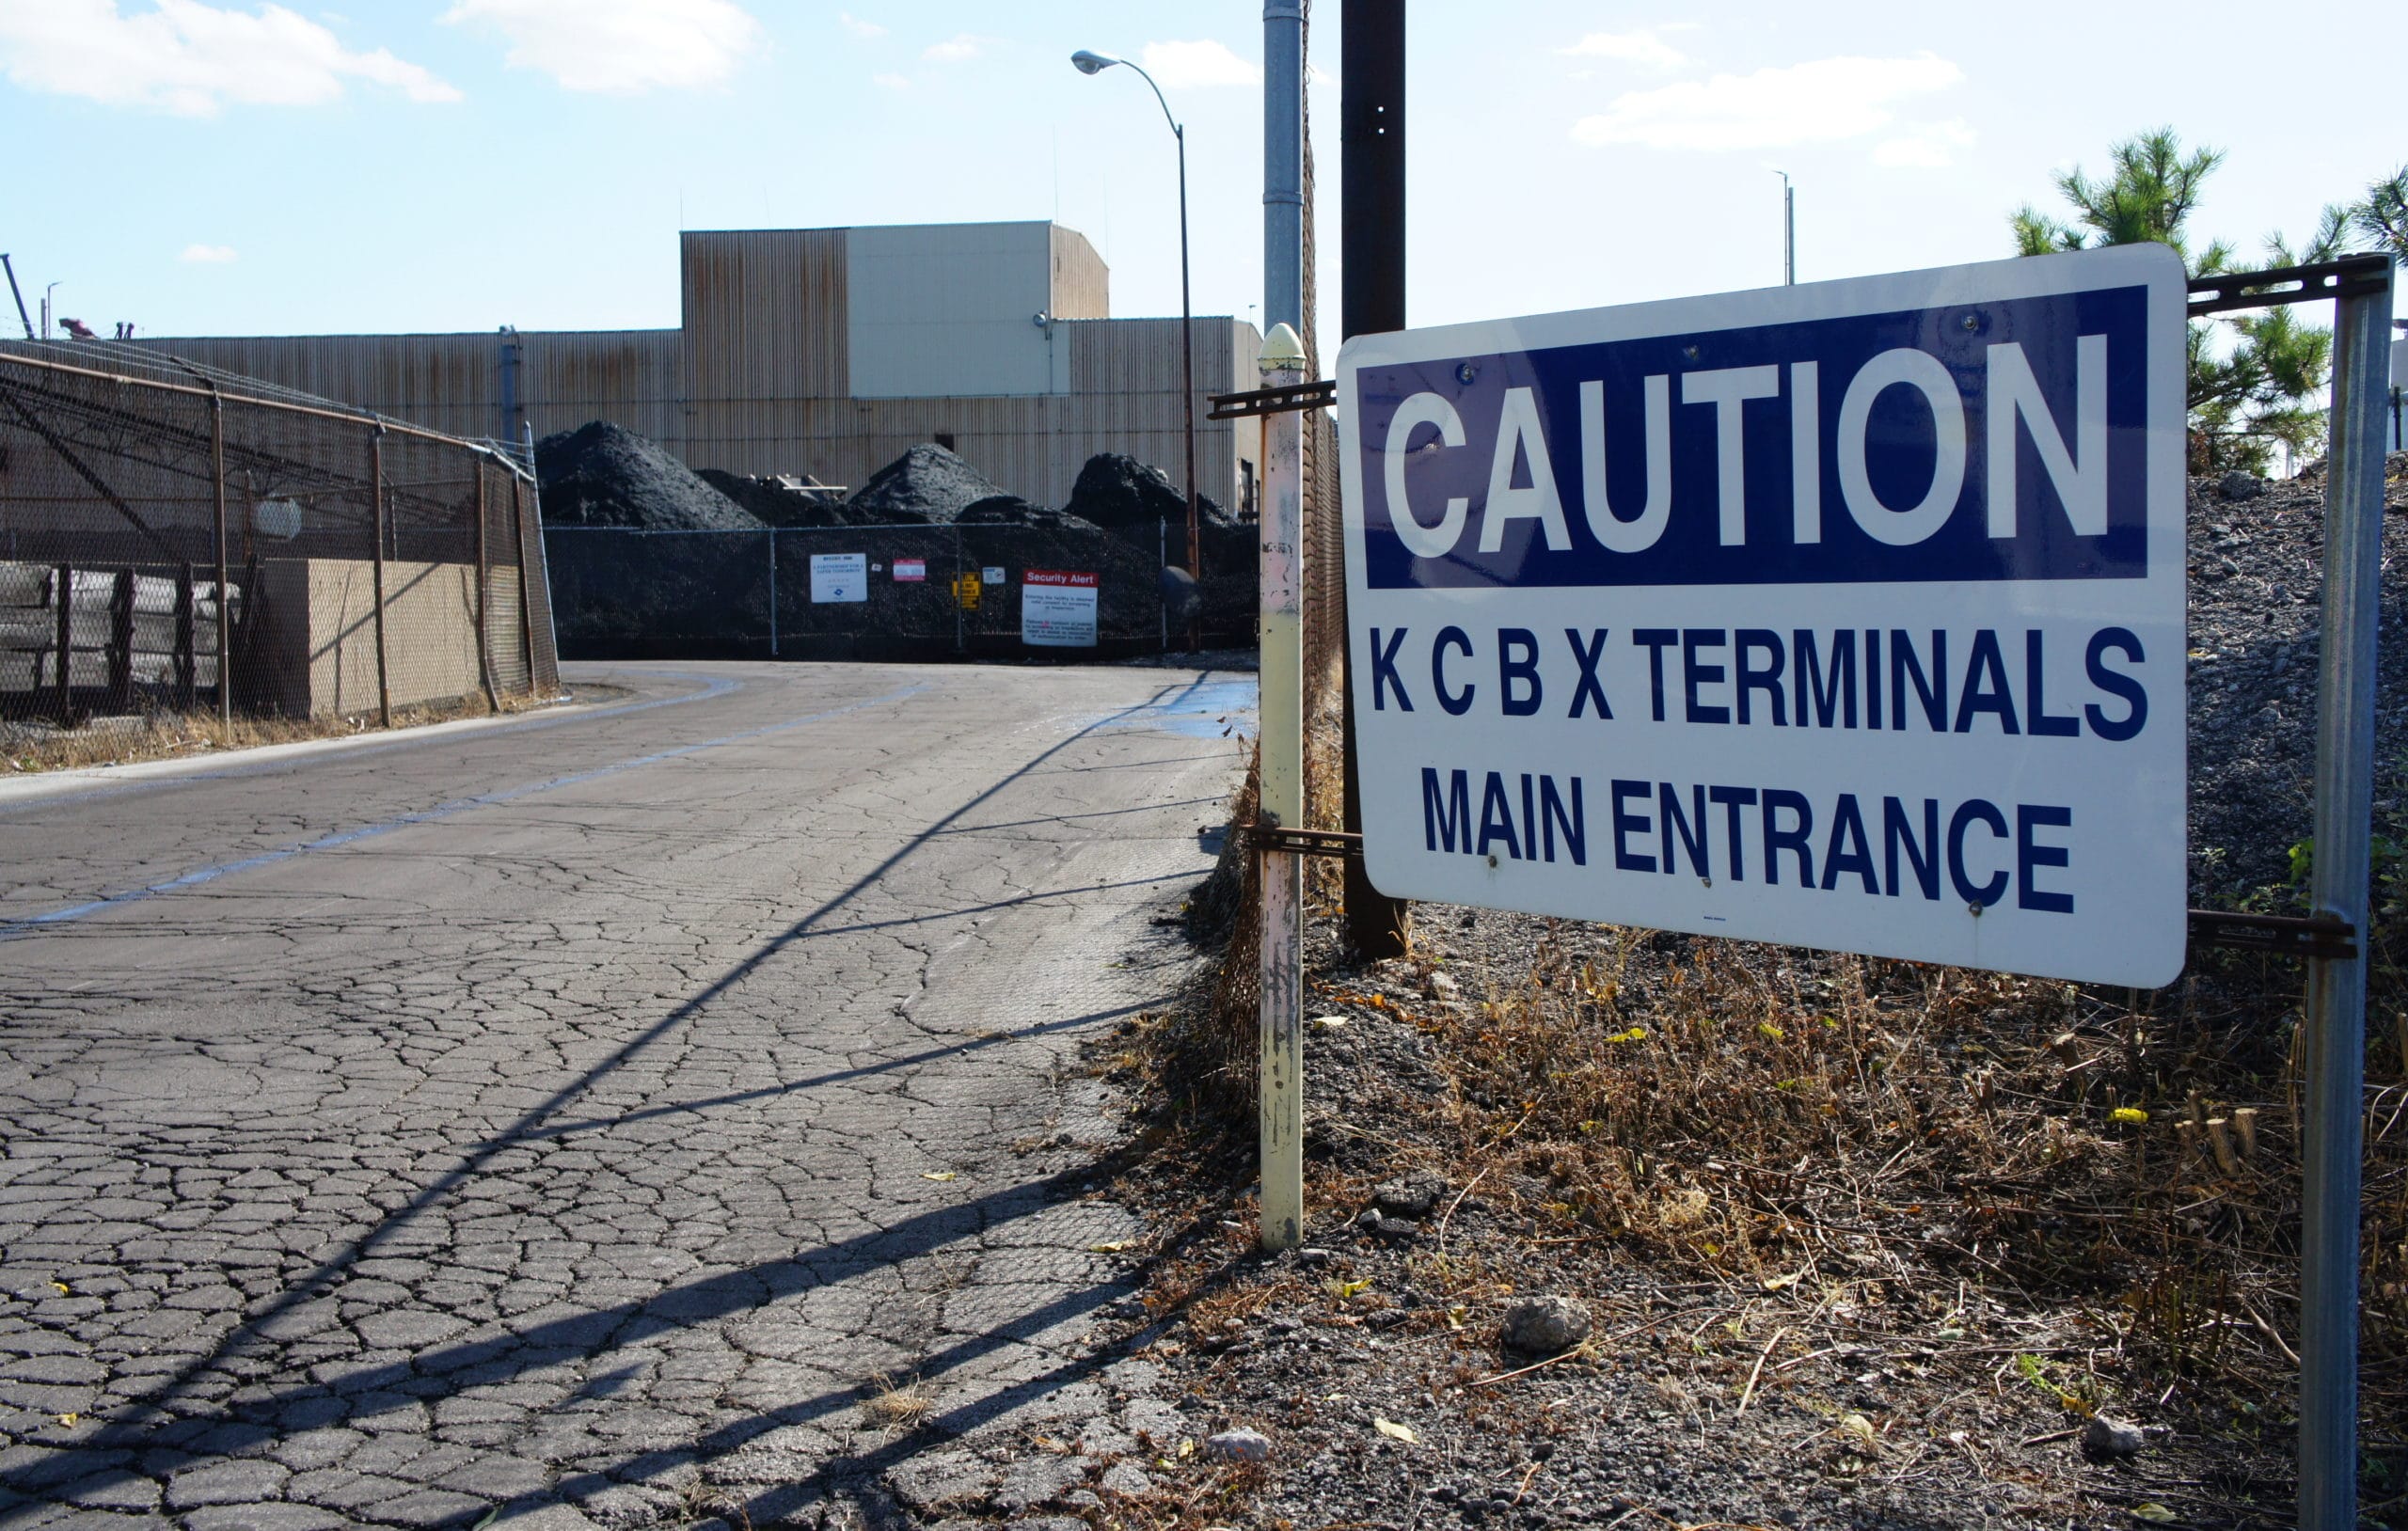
(892, 81)
(1821, 102)
(954, 49)
(191, 58)
(1924, 146)
(207, 255)
(1644, 46)
(619, 47)
(859, 27)
(1188, 66)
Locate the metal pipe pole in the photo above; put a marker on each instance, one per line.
(2337, 987)
(1788, 233)
(1283, 163)
(525, 588)
(773, 592)
(484, 597)
(1187, 396)
(218, 479)
(1281, 1102)
(376, 499)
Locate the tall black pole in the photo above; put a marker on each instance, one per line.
(1370, 116)
(1187, 366)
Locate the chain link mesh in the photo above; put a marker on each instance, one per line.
(177, 546)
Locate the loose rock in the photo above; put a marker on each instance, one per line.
(2108, 1437)
(1544, 1326)
(1239, 1446)
(1410, 1195)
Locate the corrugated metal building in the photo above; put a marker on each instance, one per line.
(828, 351)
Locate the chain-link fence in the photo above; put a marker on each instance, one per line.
(977, 589)
(177, 543)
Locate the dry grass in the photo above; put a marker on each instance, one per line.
(1984, 1157)
(39, 746)
(896, 1405)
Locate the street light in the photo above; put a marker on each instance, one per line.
(1095, 63)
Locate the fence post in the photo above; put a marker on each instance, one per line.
(957, 572)
(62, 595)
(773, 592)
(2337, 987)
(122, 642)
(186, 664)
(225, 608)
(525, 597)
(1162, 558)
(484, 593)
(377, 497)
(1280, 526)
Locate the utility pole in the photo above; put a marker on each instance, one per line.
(1372, 218)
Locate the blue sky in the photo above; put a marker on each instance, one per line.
(221, 166)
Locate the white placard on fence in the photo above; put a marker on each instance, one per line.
(911, 569)
(839, 578)
(1057, 609)
(1846, 615)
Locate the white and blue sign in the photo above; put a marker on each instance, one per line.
(1846, 615)
(839, 578)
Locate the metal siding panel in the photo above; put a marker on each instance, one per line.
(948, 309)
(764, 313)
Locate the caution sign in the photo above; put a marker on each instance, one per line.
(967, 590)
(1846, 615)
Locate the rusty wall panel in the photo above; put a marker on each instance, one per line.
(764, 314)
(627, 376)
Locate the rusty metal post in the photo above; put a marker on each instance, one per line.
(225, 614)
(376, 499)
(485, 594)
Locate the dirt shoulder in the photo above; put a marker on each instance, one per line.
(1857, 1244)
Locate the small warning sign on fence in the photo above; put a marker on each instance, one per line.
(967, 590)
(839, 576)
(911, 569)
(1057, 609)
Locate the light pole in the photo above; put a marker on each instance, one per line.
(1094, 63)
(1788, 231)
(45, 307)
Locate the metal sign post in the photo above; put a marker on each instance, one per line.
(1282, 363)
(2337, 987)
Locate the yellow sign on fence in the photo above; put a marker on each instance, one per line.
(967, 590)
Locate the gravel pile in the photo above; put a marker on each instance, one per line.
(926, 484)
(2257, 603)
(776, 504)
(603, 475)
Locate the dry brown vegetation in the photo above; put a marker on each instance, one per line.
(38, 745)
(2054, 1198)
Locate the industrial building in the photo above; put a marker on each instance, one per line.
(828, 352)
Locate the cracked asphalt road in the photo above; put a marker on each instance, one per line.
(570, 1116)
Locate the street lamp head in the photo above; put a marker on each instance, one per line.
(1091, 63)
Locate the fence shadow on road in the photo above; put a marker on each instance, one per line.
(105, 1456)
